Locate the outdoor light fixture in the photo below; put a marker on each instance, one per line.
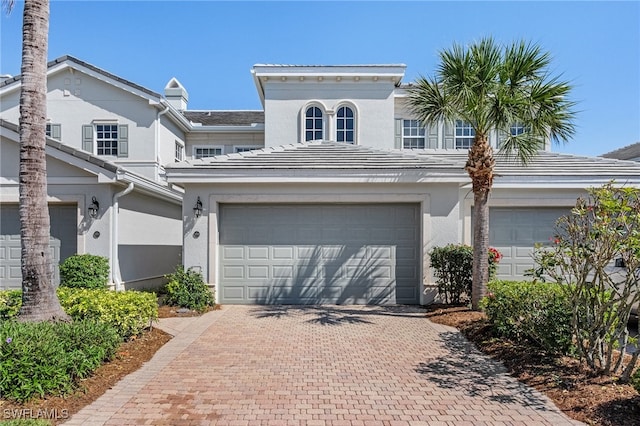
(93, 207)
(198, 208)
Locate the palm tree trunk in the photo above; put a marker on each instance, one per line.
(480, 167)
(39, 299)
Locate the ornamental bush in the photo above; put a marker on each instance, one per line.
(453, 269)
(129, 312)
(84, 271)
(539, 312)
(40, 359)
(602, 228)
(10, 302)
(187, 289)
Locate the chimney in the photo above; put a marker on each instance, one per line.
(176, 94)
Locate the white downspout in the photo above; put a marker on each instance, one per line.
(157, 142)
(115, 263)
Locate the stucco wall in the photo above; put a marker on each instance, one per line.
(150, 239)
(373, 102)
(438, 205)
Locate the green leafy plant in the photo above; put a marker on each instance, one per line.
(39, 359)
(129, 312)
(10, 302)
(187, 289)
(601, 228)
(84, 271)
(539, 312)
(452, 265)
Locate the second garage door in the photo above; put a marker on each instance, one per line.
(319, 254)
(515, 231)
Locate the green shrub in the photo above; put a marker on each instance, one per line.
(635, 380)
(453, 269)
(188, 290)
(129, 312)
(540, 312)
(39, 359)
(10, 302)
(84, 271)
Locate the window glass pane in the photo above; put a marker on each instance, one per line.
(318, 123)
(308, 135)
(340, 136)
(349, 112)
(350, 124)
(309, 123)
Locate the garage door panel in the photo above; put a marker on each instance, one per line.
(515, 231)
(63, 241)
(325, 259)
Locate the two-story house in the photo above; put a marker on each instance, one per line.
(350, 193)
(332, 193)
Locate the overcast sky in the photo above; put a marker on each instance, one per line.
(211, 46)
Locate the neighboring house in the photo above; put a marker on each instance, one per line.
(333, 193)
(629, 152)
(351, 193)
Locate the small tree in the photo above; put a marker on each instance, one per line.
(603, 227)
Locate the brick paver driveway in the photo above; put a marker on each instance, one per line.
(349, 365)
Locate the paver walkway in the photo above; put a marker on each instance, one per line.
(352, 365)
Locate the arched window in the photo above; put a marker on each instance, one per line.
(345, 125)
(313, 124)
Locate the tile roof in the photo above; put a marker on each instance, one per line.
(225, 118)
(547, 164)
(629, 152)
(319, 155)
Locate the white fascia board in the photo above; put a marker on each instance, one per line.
(303, 176)
(383, 70)
(253, 128)
(564, 182)
(155, 189)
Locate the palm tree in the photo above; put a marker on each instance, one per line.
(492, 88)
(39, 299)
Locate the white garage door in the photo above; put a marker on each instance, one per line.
(63, 241)
(319, 254)
(515, 231)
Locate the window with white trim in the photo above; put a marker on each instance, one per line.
(464, 135)
(413, 135)
(53, 131)
(179, 148)
(107, 139)
(313, 124)
(517, 129)
(345, 125)
(206, 151)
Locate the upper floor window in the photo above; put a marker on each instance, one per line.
(413, 135)
(464, 135)
(206, 151)
(179, 148)
(313, 124)
(106, 139)
(345, 125)
(517, 129)
(245, 148)
(54, 131)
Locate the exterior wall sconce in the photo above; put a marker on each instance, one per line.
(197, 209)
(94, 207)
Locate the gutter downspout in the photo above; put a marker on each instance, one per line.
(157, 141)
(115, 263)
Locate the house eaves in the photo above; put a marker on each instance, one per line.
(105, 171)
(549, 169)
(316, 162)
(262, 73)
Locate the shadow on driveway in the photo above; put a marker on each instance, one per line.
(337, 315)
(469, 370)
